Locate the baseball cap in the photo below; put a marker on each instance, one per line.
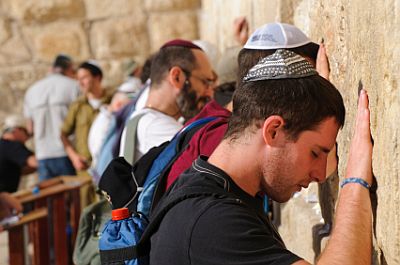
(277, 36)
(14, 121)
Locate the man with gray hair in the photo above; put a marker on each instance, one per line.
(45, 106)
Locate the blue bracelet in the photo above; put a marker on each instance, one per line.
(355, 180)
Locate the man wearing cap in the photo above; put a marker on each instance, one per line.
(284, 123)
(45, 106)
(81, 114)
(15, 158)
(182, 81)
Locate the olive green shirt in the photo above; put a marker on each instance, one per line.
(79, 119)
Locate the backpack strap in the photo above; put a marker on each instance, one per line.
(130, 139)
(181, 143)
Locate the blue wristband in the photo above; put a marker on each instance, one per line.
(355, 180)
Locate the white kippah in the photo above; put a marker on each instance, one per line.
(282, 64)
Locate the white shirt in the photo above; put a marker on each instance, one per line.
(46, 104)
(97, 133)
(153, 129)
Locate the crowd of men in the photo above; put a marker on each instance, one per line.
(276, 121)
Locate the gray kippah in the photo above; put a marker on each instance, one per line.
(282, 64)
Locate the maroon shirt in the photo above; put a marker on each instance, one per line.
(204, 141)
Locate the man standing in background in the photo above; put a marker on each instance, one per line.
(45, 106)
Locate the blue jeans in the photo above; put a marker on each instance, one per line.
(53, 167)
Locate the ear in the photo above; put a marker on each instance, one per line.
(273, 130)
(176, 77)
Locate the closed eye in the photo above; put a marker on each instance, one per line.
(314, 154)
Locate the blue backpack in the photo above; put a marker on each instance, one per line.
(135, 187)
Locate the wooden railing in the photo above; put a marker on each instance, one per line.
(60, 197)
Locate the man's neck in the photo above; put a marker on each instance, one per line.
(162, 100)
(236, 158)
(96, 93)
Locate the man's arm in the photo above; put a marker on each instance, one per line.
(77, 160)
(30, 166)
(29, 126)
(351, 239)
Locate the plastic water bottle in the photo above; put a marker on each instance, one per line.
(119, 233)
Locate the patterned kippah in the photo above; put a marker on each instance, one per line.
(282, 64)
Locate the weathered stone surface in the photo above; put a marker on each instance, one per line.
(171, 5)
(13, 50)
(96, 9)
(120, 37)
(45, 10)
(167, 26)
(349, 44)
(14, 80)
(218, 17)
(5, 30)
(58, 37)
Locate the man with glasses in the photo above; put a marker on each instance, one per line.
(182, 81)
(15, 158)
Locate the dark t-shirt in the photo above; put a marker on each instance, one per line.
(13, 157)
(210, 230)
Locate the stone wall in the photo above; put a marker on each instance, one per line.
(362, 39)
(32, 32)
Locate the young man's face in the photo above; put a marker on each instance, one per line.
(86, 80)
(201, 86)
(296, 164)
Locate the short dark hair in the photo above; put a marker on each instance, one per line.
(146, 69)
(247, 58)
(302, 102)
(63, 62)
(168, 57)
(224, 92)
(93, 69)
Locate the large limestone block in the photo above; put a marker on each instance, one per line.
(171, 5)
(166, 26)
(107, 8)
(13, 50)
(58, 37)
(44, 11)
(217, 18)
(14, 80)
(119, 37)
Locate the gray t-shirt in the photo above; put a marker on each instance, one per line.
(46, 104)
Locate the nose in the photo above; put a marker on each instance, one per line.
(318, 172)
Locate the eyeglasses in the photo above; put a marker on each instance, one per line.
(206, 82)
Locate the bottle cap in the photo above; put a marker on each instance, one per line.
(119, 214)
